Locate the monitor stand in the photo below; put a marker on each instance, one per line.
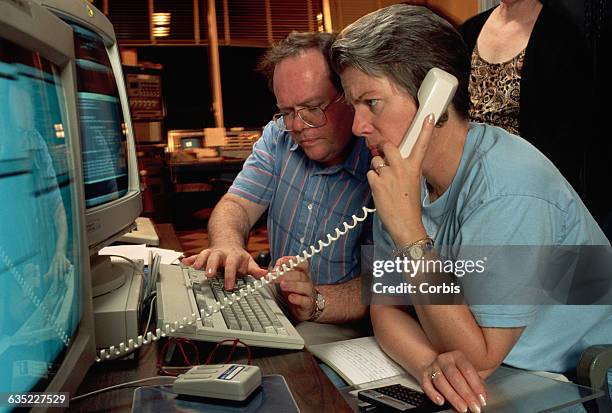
(107, 275)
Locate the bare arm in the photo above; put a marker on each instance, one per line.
(403, 339)
(232, 219)
(61, 226)
(342, 302)
(59, 263)
(453, 327)
(228, 230)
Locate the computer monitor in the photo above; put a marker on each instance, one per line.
(110, 170)
(46, 324)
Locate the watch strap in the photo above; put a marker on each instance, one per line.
(426, 243)
(318, 310)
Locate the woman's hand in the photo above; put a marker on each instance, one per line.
(396, 187)
(452, 377)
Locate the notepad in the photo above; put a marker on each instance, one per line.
(141, 252)
(357, 361)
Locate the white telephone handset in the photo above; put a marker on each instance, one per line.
(435, 93)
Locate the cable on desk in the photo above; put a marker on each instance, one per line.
(151, 304)
(135, 266)
(188, 363)
(235, 343)
(119, 386)
(179, 342)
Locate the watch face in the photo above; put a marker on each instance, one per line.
(416, 252)
(320, 301)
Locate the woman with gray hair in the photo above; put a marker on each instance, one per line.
(464, 184)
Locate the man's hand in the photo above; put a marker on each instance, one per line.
(298, 290)
(234, 259)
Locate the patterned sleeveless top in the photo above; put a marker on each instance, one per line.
(495, 91)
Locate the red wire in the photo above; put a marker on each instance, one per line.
(235, 343)
(188, 364)
(195, 348)
(179, 342)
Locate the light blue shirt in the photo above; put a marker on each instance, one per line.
(307, 200)
(506, 193)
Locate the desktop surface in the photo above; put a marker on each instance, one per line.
(310, 387)
(509, 390)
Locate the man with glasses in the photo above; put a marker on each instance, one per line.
(309, 172)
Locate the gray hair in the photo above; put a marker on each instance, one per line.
(403, 42)
(295, 44)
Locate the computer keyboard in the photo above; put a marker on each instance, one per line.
(252, 313)
(255, 319)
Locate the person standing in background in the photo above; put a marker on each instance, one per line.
(531, 74)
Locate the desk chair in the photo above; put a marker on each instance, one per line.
(592, 371)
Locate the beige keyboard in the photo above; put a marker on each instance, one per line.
(255, 319)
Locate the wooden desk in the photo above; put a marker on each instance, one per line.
(310, 387)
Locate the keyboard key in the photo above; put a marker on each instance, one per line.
(249, 314)
(230, 320)
(275, 321)
(253, 320)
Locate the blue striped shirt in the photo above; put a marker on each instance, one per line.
(307, 200)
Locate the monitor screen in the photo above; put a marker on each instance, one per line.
(103, 129)
(40, 258)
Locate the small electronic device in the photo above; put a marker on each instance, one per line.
(144, 90)
(190, 143)
(399, 398)
(220, 381)
(435, 93)
(116, 313)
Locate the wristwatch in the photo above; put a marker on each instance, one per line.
(319, 305)
(416, 250)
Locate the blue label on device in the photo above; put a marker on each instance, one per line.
(231, 372)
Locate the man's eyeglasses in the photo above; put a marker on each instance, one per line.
(313, 117)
